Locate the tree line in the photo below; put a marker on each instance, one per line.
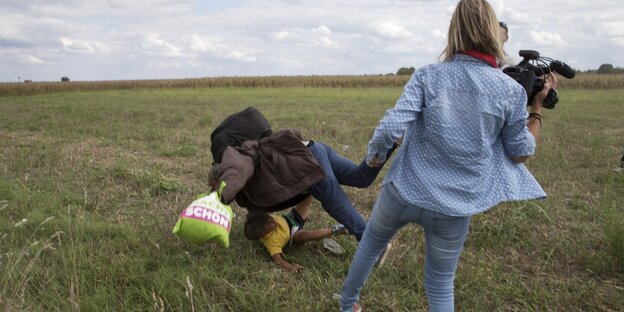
(605, 69)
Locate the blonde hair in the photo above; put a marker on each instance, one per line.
(474, 26)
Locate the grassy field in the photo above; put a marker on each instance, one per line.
(92, 182)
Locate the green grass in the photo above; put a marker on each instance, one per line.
(92, 182)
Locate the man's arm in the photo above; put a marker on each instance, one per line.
(236, 170)
(281, 261)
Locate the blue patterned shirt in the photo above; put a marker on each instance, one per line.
(462, 121)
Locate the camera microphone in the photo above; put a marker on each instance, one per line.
(562, 69)
(529, 73)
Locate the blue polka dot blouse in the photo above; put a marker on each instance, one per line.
(461, 122)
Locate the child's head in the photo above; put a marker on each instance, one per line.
(258, 224)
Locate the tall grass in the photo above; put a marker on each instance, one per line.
(216, 82)
(101, 177)
(581, 81)
(593, 81)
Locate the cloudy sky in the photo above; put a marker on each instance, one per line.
(44, 40)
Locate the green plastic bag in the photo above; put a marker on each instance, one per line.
(206, 219)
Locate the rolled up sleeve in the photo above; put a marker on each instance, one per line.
(517, 139)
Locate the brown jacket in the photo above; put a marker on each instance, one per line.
(269, 174)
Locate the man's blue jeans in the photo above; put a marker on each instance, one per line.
(341, 171)
(444, 236)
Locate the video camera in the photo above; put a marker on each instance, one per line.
(530, 71)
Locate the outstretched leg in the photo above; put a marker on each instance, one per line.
(303, 208)
(333, 198)
(350, 174)
(303, 236)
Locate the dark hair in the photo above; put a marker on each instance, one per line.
(256, 225)
(503, 25)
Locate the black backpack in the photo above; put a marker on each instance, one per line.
(237, 128)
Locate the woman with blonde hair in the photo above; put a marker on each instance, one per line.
(466, 132)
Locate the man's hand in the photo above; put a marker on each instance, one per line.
(375, 161)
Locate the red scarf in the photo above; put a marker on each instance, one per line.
(488, 58)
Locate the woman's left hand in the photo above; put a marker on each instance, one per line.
(550, 82)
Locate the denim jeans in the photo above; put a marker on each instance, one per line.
(341, 171)
(444, 236)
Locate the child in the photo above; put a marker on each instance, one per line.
(275, 231)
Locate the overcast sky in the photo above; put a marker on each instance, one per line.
(44, 40)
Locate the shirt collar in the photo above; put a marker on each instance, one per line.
(487, 58)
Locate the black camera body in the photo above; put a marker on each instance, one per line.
(530, 71)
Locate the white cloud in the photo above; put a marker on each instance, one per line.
(241, 56)
(153, 43)
(612, 28)
(323, 30)
(214, 46)
(319, 36)
(98, 46)
(114, 39)
(511, 16)
(77, 46)
(612, 32)
(196, 43)
(399, 48)
(617, 41)
(498, 5)
(169, 6)
(390, 30)
(164, 65)
(326, 42)
(285, 35)
(30, 59)
(546, 38)
(439, 34)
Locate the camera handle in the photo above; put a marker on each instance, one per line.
(551, 99)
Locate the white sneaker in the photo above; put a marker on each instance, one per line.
(333, 246)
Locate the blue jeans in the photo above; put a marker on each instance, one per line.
(341, 171)
(444, 236)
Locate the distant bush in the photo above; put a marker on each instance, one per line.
(406, 71)
(606, 69)
(65, 79)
